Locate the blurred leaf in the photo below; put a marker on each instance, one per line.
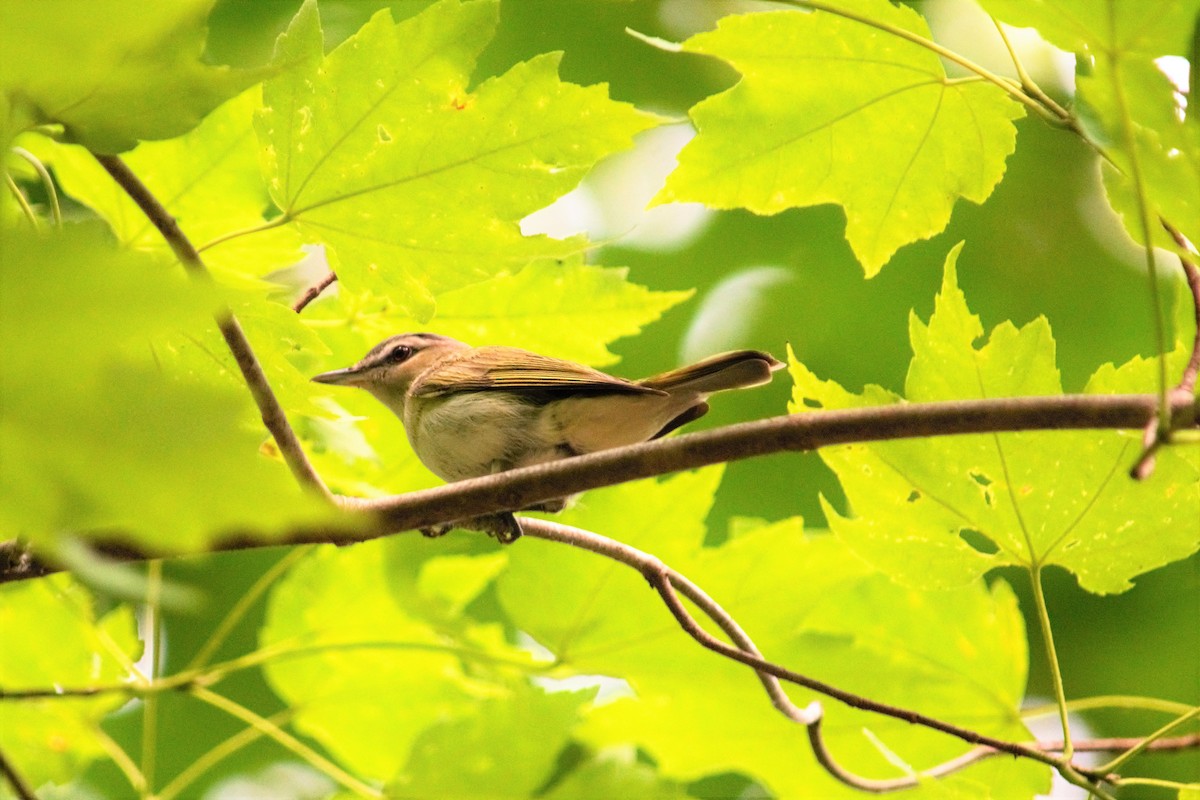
(1038, 498)
(53, 637)
(374, 673)
(209, 179)
(492, 753)
(824, 101)
(95, 434)
(110, 71)
(386, 121)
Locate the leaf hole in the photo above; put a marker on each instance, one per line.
(914, 496)
(978, 542)
(809, 402)
(384, 134)
(985, 483)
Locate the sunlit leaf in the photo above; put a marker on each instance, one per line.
(507, 748)
(375, 669)
(942, 511)
(418, 182)
(830, 110)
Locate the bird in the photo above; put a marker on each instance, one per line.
(475, 411)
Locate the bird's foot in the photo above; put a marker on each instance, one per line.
(504, 528)
(435, 531)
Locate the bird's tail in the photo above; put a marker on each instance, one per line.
(734, 370)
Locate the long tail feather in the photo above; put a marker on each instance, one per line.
(717, 373)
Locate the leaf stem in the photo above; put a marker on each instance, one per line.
(47, 183)
(278, 222)
(1009, 87)
(153, 641)
(214, 756)
(1027, 83)
(1116, 763)
(1043, 617)
(1110, 701)
(1139, 190)
(287, 741)
(243, 605)
(22, 201)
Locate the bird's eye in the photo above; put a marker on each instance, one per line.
(400, 353)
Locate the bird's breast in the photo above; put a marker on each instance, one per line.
(470, 434)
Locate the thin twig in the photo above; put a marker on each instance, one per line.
(368, 519)
(313, 292)
(235, 338)
(668, 582)
(884, 785)
(20, 786)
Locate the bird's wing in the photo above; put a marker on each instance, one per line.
(511, 368)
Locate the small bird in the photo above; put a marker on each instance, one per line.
(473, 411)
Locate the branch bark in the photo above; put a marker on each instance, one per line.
(272, 413)
(368, 519)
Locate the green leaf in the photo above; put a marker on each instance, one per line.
(811, 605)
(824, 100)
(111, 72)
(96, 435)
(210, 181)
(507, 748)
(380, 663)
(567, 311)
(380, 151)
(1160, 27)
(53, 637)
(921, 507)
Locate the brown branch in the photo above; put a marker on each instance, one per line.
(313, 292)
(1152, 438)
(368, 519)
(666, 581)
(20, 786)
(235, 338)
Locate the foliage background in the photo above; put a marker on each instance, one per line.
(1045, 243)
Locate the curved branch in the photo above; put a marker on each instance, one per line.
(235, 338)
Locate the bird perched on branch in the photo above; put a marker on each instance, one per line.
(473, 411)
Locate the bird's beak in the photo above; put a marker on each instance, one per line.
(338, 377)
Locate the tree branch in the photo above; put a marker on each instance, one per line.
(15, 780)
(235, 338)
(368, 519)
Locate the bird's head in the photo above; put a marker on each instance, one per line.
(389, 369)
